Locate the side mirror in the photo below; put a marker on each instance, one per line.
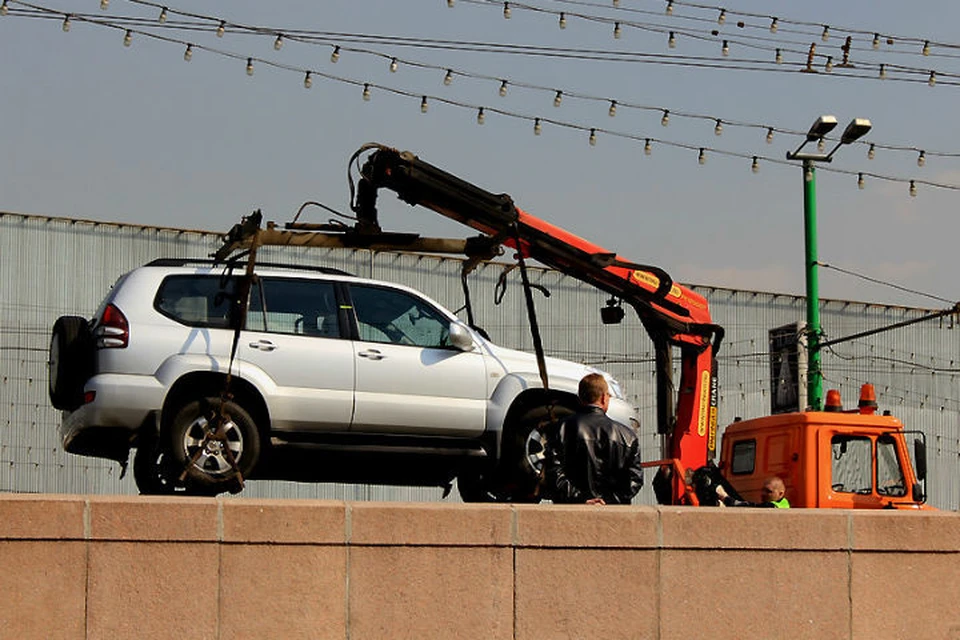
(920, 458)
(918, 494)
(460, 337)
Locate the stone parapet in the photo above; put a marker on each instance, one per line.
(152, 567)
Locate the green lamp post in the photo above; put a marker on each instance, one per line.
(823, 125)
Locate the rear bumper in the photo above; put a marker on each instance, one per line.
(107, 426)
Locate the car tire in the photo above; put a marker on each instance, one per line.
(197, 448)
(475, 486)
(524, 449)
(70, 361)
(154, 470)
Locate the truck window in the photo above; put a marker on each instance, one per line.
(744, 457)
(852, 468)
(889, 473)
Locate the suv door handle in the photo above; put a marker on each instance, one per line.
(263, 345)
(372, 354)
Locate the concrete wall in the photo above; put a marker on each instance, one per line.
(137, 567)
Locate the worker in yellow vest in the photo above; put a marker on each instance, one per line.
(773, 494)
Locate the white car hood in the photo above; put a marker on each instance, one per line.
(514, 361)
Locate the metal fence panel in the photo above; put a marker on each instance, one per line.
(55, 266)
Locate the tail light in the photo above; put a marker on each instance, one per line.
(113, 331)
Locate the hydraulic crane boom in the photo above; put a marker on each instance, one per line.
(673, 315)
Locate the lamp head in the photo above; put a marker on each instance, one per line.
(821, 127)
(857, 128)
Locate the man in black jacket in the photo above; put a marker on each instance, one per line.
(591, 458)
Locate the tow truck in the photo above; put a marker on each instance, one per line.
(826, 458)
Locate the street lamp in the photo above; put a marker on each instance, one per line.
(823, 125)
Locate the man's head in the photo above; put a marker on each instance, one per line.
(772, 490)
(593, 390)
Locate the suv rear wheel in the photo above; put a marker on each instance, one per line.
(216, 446)
(71, 361)
(153, 468)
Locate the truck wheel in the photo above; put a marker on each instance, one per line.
(70, 360)
(153, 469)
(213, 450)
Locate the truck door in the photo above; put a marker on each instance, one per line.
(851, 480)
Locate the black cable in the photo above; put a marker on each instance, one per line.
(886, 284)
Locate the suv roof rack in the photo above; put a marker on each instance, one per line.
(181, 262)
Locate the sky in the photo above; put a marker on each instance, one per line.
(93, 129)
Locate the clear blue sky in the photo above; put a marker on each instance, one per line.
(92, 129)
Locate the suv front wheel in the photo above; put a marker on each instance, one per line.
(216, 442)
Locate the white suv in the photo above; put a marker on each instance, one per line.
(332, 378)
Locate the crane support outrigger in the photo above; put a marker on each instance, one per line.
(673, 315)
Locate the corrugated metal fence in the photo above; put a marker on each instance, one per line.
(54, 266)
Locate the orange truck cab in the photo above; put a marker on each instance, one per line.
(828, 459)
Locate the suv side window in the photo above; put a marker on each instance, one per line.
(196, 301)
(396, 317)
(295, 306)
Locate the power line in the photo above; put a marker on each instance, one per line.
(884, 283)
(925, 48)
(482, 111)
(331, 39)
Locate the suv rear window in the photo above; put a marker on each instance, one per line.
(197, 301)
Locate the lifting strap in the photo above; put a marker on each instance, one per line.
(531, 311)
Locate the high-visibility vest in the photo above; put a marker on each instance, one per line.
(782, 503)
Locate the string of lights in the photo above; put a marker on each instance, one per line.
(923, 47)
(724, 16)
(884, 70)
(481, 111)
(330, 38)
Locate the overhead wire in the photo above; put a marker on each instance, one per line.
(424, 99)
(884, 283)
(716, 34)
(331, 38)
